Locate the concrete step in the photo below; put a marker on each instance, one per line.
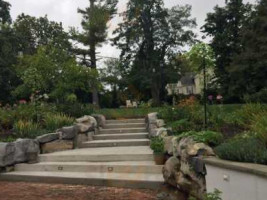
(104, 167)
(106, 154)
(116, 143)
(125, 121)
(123, 130)
(125, 125)
(121, 136)
(127, 180)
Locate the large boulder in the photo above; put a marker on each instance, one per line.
(101, 120)
(160, 123)
(25, 148)
(7, 154)
(199, 149)
(152, 118)
(170, 170)
(47, 138)
(68, 133)
(86, 123)
(168, 145)
(162, 132)
(57, 145)
(152, 130)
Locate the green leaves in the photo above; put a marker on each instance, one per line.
(54, 72)
(199, 54)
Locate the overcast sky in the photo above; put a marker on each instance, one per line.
(65, 11)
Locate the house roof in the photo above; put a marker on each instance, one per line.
(188, 79)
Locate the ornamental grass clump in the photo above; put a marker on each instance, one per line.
(52, 122)
(27, 129)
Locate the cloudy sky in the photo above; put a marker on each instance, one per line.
(65, 11)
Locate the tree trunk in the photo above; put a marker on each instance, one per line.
(155, 92)
(93, 56)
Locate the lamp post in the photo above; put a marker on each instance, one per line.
(205, 95)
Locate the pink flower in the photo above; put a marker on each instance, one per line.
(22, 101)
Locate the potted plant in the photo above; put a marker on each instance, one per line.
(157, 146)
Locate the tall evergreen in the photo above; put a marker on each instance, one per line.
(225, 26)
(8, 53)
(94, 24)
(248, 71)
(149, 35)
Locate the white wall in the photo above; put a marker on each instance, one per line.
(236, 185)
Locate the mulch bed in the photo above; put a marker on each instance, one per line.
(39, 191)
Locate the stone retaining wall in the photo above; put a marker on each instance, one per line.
(65, 138)
(244, 181)
(185, 169)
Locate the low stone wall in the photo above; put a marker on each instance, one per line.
(185, 169)
(155, 126)
(65, 138)
(235, 180)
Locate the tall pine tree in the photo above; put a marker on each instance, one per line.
(225, 26)
(248, 71)
(94, 24)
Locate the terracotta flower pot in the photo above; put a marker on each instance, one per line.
(159, 158)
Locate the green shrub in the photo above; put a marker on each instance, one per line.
(170, 114)
(157, 145)
(75, 109)
(181, 126)
(216, 195)
(259, 126)
(208, 137)
(27, 129)
(53, 122)
(243, 150)
(6, 119)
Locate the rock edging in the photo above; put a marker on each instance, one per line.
(65, 138)
(185, 169)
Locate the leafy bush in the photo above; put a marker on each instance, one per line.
(216, 195)
(54, 121)
(170, 114)
(243, 150)
(76, 109)
(6, 119)
(28, 129)
(157, 145)
(208, 137)
(181, 126)
(259, 126)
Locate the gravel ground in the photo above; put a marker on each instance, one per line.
(36, 191)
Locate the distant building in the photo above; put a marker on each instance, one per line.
(190, 83)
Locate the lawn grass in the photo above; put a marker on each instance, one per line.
(126, 113)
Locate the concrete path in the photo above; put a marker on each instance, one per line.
(118, 156)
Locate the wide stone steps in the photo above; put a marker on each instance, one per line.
(116, 143)
(125, 121)
(100, 167)
(118, 156)
(106, 154)
(123, 130)
(125, 125)
(121, 136)
(127, 180)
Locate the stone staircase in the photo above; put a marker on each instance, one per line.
(118, 156)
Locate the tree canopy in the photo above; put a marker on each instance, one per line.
(149, 35)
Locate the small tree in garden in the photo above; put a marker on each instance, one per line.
(54, 72)
(200, 58)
